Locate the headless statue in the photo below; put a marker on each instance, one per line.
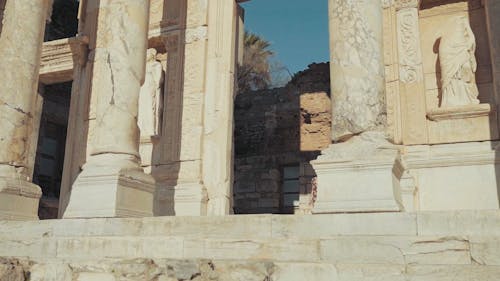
(458, 65)
(150, 98)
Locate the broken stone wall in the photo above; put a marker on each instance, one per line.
(276, 130)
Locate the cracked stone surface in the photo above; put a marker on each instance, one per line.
(119, 69)
(20, 50)
(357, 68)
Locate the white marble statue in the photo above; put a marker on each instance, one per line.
(150, 99)
(458, 64)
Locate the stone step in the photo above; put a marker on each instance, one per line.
(482, 222)
(388, 246)
(402, 250)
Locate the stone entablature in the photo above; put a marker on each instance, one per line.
(59, 58)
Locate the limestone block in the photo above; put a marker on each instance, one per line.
(88, 276)
(28, 247)
(371, 272)
(304, 271)
(194, 53)
(256, 227)
(277, 250)
(156, 13)
(344, 224)
(51, 272)
(181, 199)
(484, 250)
(19, 199)
(396, 250)
(484, 222)
(454, 169)
(452, 273)
(197, 13)
(119, 247)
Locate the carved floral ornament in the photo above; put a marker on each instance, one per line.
(401, 4)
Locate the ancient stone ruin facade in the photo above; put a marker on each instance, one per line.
(405, 186)
(277, 133)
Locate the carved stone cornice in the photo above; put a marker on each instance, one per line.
(59, 58)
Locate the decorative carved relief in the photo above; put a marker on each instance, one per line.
(387, 3)
(404, 4)
(458, 64)
(410, 58)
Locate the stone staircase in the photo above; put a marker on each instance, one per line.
(455, 246)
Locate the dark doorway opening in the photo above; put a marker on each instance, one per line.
(49, 161)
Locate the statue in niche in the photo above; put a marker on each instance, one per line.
(458, 65)
(150, 98)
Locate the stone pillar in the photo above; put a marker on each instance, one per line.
(20, 52)
(219, 102)
(492, 8)
(355, 173)
(112, 183)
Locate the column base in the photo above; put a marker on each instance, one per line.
(356, 176)
(116, 189)
(19, 199)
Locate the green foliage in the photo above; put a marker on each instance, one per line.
(254, 72)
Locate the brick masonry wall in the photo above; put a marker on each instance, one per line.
(278, 129)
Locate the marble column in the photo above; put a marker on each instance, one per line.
(20, 51)
(357, 68)
(355, 172)
(112, 183)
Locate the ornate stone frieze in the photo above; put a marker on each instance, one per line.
(387, 3)
(410, 57)
(404, 4)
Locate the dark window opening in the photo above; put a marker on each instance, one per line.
(49, 161)
(63, 21)
(290, 191)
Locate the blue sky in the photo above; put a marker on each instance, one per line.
(297, 29)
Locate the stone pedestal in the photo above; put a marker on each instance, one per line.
(20, 52)
(112, 183)
(111, 186)
(356, 176)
